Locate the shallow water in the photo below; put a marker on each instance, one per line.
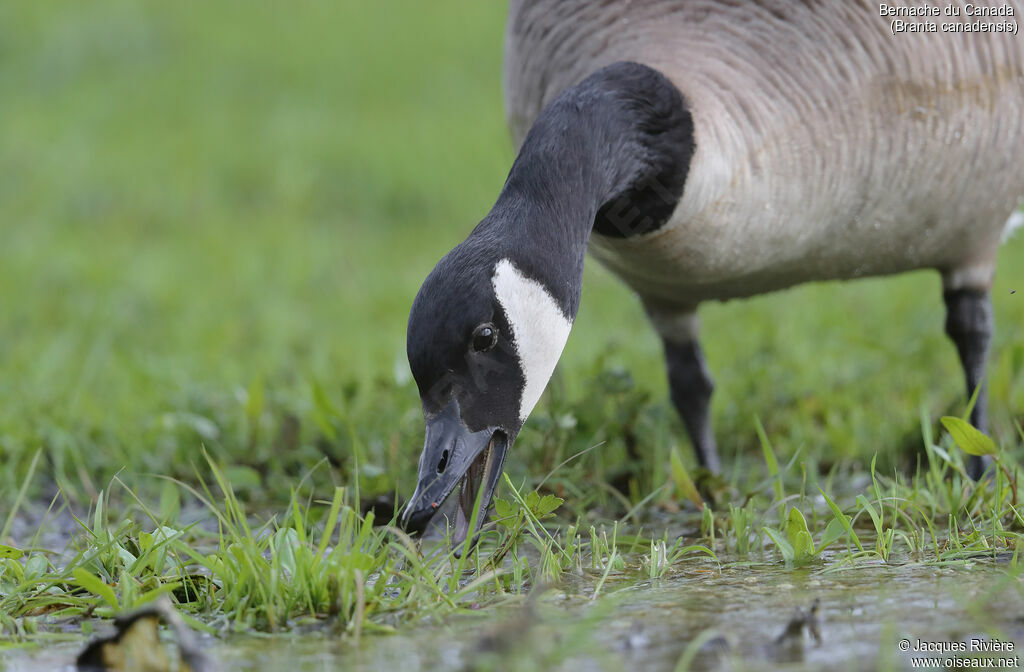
(739, 611)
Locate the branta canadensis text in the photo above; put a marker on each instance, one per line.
(707, 150)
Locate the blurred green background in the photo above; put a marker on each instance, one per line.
(216, 215)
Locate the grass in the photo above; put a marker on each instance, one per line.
(323, 562)
(216, 218)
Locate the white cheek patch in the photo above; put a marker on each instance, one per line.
(539, 327)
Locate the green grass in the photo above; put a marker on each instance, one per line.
(215, 219)
(323, 562)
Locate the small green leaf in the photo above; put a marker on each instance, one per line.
(36, 566)
(967, 437)
(164, 533)
(843, 519)
(784, 546)
(795, 524)
(833, 532)
(97, 516)
(502, 508)
(942, 454)
(803, 547)
(124, 555)
(286, 543)
(95, 585)
(548, 504)
(10, 552)
(799, 536)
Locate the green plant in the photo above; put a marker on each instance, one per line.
(796, 545)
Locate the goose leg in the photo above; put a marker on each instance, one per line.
(690, 383)
(969, 325)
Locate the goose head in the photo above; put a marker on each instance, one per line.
(491, 319)
(483, 340)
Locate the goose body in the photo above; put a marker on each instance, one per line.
(708, 150)
(826, 148)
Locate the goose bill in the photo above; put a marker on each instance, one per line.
(484, 471)
(455, 457)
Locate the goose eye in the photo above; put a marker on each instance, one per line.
(485, 337)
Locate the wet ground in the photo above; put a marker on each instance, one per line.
(736, 618)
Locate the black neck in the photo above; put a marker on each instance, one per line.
(608, 155)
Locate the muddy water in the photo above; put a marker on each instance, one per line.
(728, 619)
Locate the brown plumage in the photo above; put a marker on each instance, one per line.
(826, 146)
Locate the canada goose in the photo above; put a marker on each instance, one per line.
(708, 150)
